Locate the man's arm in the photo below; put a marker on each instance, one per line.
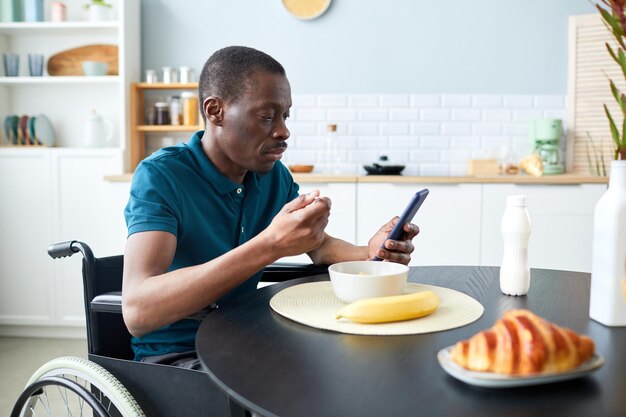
(153, 297)
(333, 250)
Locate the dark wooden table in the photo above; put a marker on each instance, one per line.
(276, 367)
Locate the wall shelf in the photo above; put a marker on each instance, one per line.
(59, 80)
(56, 28)
(139, 130)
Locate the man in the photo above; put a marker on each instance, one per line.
(204, 218)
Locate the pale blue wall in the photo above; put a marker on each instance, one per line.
(378, 46)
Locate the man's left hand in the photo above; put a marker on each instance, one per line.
(394, 250)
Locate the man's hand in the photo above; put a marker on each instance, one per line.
(395, 250)
(299, 226)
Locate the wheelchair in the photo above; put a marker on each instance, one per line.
(110, 383)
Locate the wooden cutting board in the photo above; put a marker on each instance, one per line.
(70, 62)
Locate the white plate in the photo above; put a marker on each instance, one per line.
(44, 131)
(493, 380)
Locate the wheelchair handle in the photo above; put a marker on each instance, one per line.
(69, 248)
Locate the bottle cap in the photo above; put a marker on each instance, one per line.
(331, 128)
(516, 200)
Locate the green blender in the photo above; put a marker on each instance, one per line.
(545, 137)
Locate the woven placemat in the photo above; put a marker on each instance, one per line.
(314, 304)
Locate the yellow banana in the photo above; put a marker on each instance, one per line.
(393, 308)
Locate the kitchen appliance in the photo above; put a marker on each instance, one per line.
(545, 137)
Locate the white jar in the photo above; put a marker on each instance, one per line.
(607, 305)
(516, 228)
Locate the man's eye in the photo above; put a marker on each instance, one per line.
(268, 118)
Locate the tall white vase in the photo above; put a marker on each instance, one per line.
(607, 304)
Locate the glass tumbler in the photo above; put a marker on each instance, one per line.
(35, 65)
(11, 64)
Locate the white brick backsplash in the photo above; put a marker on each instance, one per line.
(379, 115)
(527, 115)
(304, 100)
(456, 100)
(400, 115)
(487, 101)
(310, 115)
(394, 128)
(554, 114)
(373, 142)
(497, 115)
(310, 142)
(456, 128)
(332, 100)
(457, 155)
(363, 128)
(363, 156)
(299, 156)
(434, 142)
(496, 143)
(550, 102)
(423, 100)
(518, 102)
(394, 100)
(347, 142)
(435, 115)
(465, 142)
(432, 134)
(425, 128)
(518, 129)
(465, 115)
(411, 170)
(341, 115)
(302, 128)
(363, 100)
(425, 155)
(396, 157)
(434, 170)
(458, 169)
(408, 142)
(486, 129)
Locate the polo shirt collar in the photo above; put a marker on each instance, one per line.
(209, 171)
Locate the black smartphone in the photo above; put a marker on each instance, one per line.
(407, 215)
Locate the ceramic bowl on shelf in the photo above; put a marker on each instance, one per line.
(301, 169)
(356, 280)
(95, 68)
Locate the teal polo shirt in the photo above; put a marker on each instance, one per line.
(178, 190)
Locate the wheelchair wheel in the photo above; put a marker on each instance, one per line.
(71, 386)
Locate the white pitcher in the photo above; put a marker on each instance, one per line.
(98, 131)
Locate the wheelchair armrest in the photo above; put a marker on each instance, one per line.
(284, 271)
(110, 302)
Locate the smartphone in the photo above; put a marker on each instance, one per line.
(406, 217)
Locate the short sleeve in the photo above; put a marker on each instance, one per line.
(152, 205)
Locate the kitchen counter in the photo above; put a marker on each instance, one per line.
(563, 179)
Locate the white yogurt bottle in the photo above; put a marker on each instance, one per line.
(516, 228)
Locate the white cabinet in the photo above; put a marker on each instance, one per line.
(342, 221)
(449, 219)
(562, 223)
(48, 196)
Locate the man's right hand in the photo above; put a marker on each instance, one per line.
(299, 226)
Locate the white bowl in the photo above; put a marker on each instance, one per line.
(356, 280)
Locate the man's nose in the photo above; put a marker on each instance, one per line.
(281, 132)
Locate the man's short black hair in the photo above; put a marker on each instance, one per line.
(225, 74)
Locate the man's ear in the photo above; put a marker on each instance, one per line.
(213, 108)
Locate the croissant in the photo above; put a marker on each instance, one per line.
(522, 343)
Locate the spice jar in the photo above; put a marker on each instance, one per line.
(161, 113)
(190, 108)
(176, 110)
(168, 75)
(58, 12)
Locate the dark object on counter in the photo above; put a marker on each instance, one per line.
(376, 169)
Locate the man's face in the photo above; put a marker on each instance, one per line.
(253, 135)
